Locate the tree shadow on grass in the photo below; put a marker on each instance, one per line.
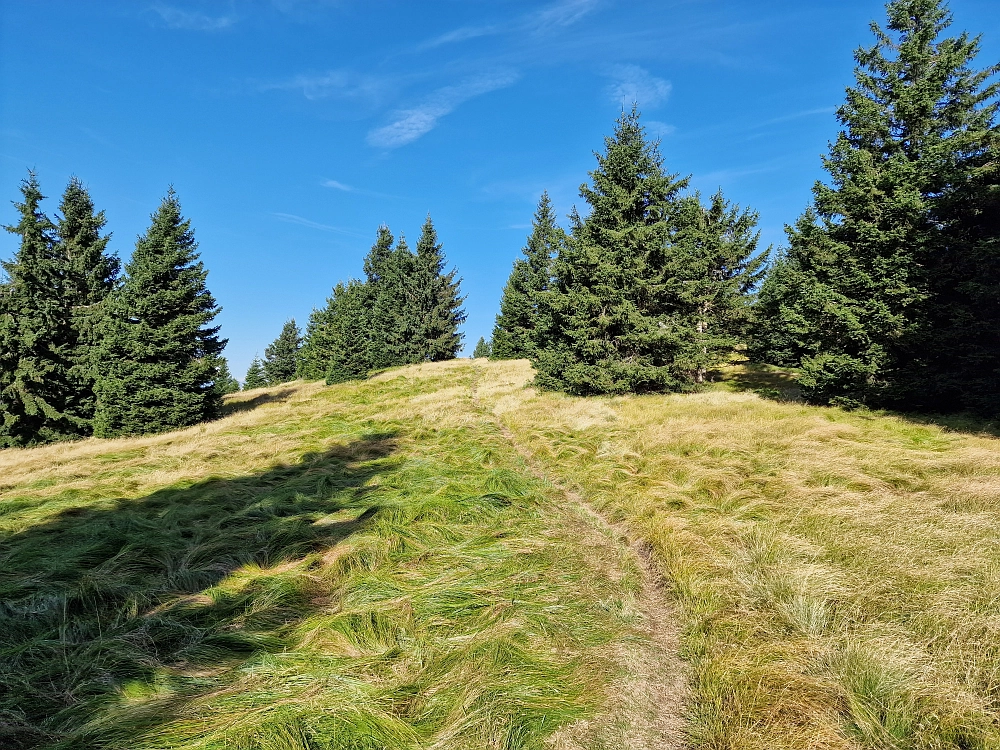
(234, 404)
(964, 423)
(769, 382)
(97, 597)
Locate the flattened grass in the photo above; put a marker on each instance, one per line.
(838, 573)
(363, 566)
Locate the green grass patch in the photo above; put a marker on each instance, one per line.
(351, 568)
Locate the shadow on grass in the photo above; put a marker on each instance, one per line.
(767, 381)
(94, 598)
(778, 384)
(966, 424)
(236, 405)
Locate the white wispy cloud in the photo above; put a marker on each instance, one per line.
(178, 18)
(557, 15)
(460, 35)
(302, 221)
(730, 175)
(344, 84)
(634, 84)
(561, 14)
(410, 124)
(337, 186)
(343, 187)
(659, 129)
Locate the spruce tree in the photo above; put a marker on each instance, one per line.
(712, 267)
(779, 334)
(224, 383)
(255, 377)
(158, 352)
(91, 274)
(349, 328)
(438, 301)
(405, 299)
(281, 355)
(394, 322)
(518, 329)
(608, 308)
(317, 344)
(955, 364)
(483, 349)
(36, 334)
(894, 300)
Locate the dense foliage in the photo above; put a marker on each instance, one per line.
(158, 351)
(484, 349)
(518, 329)
(225, 382)
(646, 293)
(282, 355)
(255, 377)
(35, 356)
(50, 308)
(407, 310)
(889, 291)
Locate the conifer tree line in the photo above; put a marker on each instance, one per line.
(88, 350)
(887, 294)
(407, 310)
(648, 292)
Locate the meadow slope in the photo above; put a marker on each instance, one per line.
(370, 565)
(443, 557)
(838, 573)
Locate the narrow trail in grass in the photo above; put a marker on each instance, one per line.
(649, 710)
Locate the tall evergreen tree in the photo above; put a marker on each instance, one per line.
(894, 271)
(90, 275)
(317, 344)
(281, 355)
(158, 351)
(255, 377)
(404, 299)
(350, 325)
(438, 301)
(483, 349)
(711, 270)
(36, 334)
(389, 274)
(518, 329)
(607, 305)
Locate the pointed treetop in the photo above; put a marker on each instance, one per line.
(629, 182)
(378, 257)
(32, 220)
(428, 244)
(281, 356)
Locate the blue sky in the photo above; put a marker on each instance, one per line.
(292, 128)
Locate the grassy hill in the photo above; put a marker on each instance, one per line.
(441, 557)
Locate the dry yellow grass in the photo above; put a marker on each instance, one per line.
(838, 573)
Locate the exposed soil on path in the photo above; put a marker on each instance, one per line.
(649, 698)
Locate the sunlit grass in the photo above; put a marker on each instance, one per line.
(838, 573)
(363, 566)
(373, 565)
